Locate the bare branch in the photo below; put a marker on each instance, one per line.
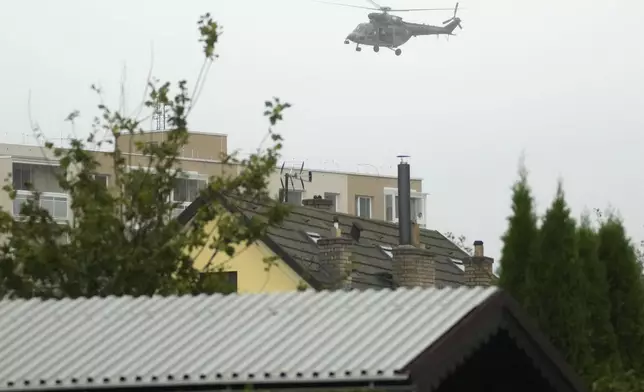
(35, 129)
(148, 80)
(201, 81)
(122, 100)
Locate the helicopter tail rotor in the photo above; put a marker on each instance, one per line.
(454, 17)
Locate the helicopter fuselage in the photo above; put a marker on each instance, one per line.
(371, 34)
(392, 35)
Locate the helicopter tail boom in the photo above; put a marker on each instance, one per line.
(451, 26)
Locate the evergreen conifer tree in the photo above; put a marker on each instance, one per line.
(561, 310)
(625, 292)
(601, 334)
(519, 241)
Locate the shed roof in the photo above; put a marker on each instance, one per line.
(224, 340)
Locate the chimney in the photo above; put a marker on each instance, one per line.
(415, 235)
(478, 268)
(335, 229)
(404, 201)
(318, 202)
(335, 258)
(413, 267)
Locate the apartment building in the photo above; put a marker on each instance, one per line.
(368, 196)
(365, 195)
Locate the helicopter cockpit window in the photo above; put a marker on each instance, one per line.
(360, 28)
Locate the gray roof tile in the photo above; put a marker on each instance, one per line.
(288, 337)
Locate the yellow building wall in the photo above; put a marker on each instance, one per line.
(253, 276)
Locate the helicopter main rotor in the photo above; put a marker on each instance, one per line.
(384, 10)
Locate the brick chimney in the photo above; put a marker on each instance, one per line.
(413, 265)
(334, 256)
(478, 268)
(415, 235)
(318, 202)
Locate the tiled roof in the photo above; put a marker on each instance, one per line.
(324, 337)
(372, 265)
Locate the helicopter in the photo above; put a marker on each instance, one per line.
(391, 31)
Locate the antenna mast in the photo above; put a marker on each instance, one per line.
(160, 116)
(292, 178)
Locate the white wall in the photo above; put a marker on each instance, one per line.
(322, 182)
(6, 166)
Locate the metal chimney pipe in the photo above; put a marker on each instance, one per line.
(404, 201)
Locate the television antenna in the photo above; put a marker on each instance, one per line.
(293, 174)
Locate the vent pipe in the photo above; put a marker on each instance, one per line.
(404, 201)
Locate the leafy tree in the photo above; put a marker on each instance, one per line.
(601, 333)
(625, 291)
(560, 295)
(519, 253)
(122, 240)
(620, 382)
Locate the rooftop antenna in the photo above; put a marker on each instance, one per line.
(293, 174)
(370, 165)
(160, 116)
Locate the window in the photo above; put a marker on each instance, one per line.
(224, 281)
(21, 176)
(363, 206)
(41, 176)
(102, 179)
(389, 207)
(56, 204)
(334, 198)
(417, 206)
(294, 197)
(186, 190)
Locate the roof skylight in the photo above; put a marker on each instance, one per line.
(313, 236)
(459, 263)
(387, 250)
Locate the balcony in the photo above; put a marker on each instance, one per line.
(43, 178)
(186, 190)
(417, 204)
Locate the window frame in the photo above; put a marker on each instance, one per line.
(106, 176)
(231, 277)
(358, 209)
(185, 177)
(189, 175)
(26, 194)
(393, 193)
(336, 197)
(53, 163)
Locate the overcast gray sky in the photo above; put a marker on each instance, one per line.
(560, 80)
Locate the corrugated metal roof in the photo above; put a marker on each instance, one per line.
(321, 336)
